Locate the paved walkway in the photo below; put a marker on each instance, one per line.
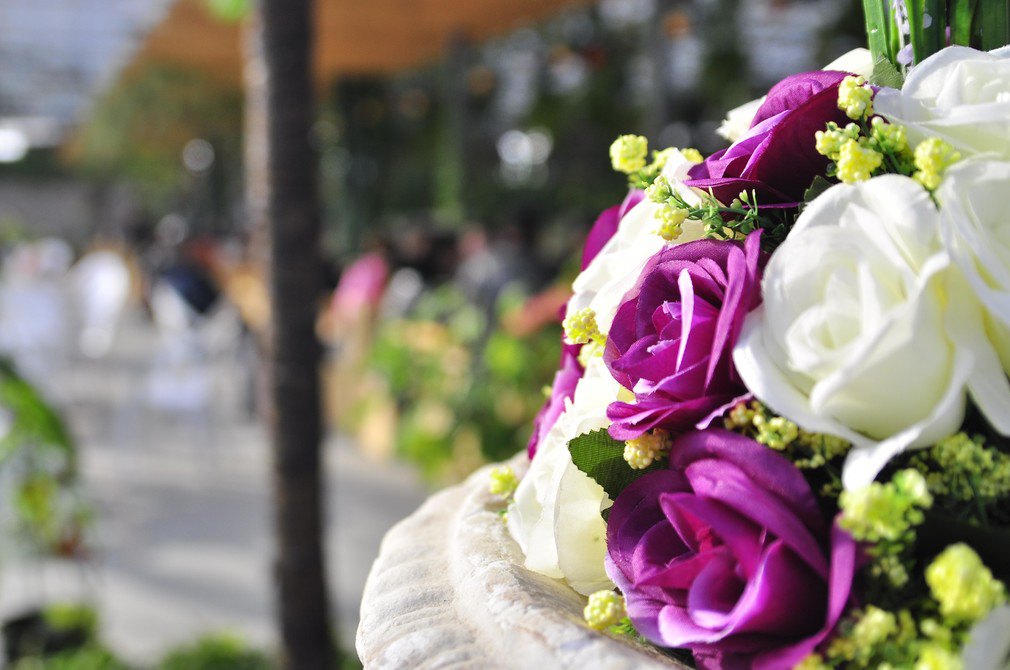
(183, 534)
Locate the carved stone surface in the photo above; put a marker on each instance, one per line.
(448, 590)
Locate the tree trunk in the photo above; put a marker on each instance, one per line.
(283, 194)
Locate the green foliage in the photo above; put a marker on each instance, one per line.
(37, 448)
(72, 617)
(230, 11)
(465, 392)
(216, 652)
(91, 657)
(138, 130)
(885, 74)
(602, 458)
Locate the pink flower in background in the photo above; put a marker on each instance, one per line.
(672, 340)
(727, 554)
(361, 284)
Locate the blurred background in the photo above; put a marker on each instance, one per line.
(462, 156)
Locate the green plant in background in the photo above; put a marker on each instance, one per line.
(465, 392)
(92, 657)
(72, 617)
(905, 31)
(137, 133)
(39, 457)
(216, 652)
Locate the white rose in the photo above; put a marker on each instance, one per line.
(738, 120)
(555, 518)
(958, 94)
(852, 338)
(603, 285)
(988, 646)
(976, 232)
(858, 61)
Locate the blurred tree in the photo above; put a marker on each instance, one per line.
(283, 197)
(139, 130)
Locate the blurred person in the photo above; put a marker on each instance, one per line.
(35, 318)
(101, 284)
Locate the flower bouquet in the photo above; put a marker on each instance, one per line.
(781, 423)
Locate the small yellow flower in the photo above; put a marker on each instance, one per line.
(829, 142)
(935, 657)
(671, 220)
(580, 327)
(642, 451)
(502, 481)
(855, 98)
(692, 155)
(962, 585)
(777, 433)
(604, 609)
(889, 136)
(856, 163)
(628, 153)
(932, 158)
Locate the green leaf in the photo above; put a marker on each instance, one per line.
(995, 23)
(885, 74)
(602, 458)
(916, 35)
(961, 13)
(819, 185)
(877, 23)
(934, 37)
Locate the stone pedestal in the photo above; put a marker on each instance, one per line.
(448, 590)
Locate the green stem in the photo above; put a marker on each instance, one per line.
(875, 13)
(914, 8)
(994, 23)
(961, 13)
(934, 36)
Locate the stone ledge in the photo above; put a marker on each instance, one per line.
(448, 590)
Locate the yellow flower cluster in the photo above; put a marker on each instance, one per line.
(855, 98)
(932, 158)
(829, 142)
(580, 327)
(671, 217)
(628, 153)
(671, 220)
(777, 432)
(641, 452)
(885, 512)
(856, 163)
(889, 136)
(806, 450)
(962, 585)
(604, 609)
(502, 481)
(692, 155)
(965, 468)
(937, 657)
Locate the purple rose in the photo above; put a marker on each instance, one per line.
(672, 339)
(570, 370)
(727, 554)
(565, 380)
(777, 157)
